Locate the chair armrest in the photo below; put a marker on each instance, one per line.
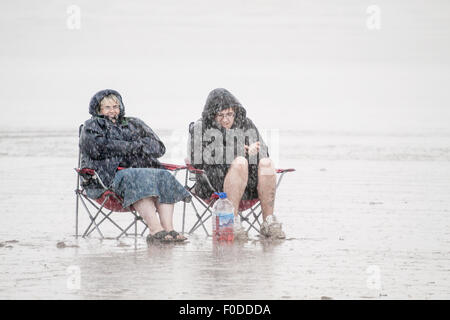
(191, 168)
(88, 174)
(173, 167)
(85, 172)
(194, 170)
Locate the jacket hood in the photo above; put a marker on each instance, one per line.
(218, 100)
(95, 101)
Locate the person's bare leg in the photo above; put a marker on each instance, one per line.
(165, 211)
(236, 181)
(266, 186)
(147, 210)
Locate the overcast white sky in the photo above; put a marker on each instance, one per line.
(309, 65)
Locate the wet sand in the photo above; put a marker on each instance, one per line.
(367, 217)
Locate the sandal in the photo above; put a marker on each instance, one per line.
(160, 236)
(176, 236)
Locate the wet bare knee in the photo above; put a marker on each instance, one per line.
(266, 167)
(240, 163)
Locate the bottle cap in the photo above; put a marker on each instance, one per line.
(222, 195)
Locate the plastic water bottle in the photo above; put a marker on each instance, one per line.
(223, 219)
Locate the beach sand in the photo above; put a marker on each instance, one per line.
(366, 217)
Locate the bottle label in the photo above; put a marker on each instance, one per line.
(224, 227)
(225, 220)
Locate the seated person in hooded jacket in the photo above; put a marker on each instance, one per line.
(227, 145)
(110, 140)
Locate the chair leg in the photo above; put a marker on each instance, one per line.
(200, 218)
(92, 220)
(250, 225)
(145, 225)
(137, 219)
(255, 218)
(200, 221)
(95, 221)
(106, 216)
(184, 203)
(135, 222)
(126, 229)
(76, 213)
(184, 217)
(99, 209)
(142, 233)
(89, 230)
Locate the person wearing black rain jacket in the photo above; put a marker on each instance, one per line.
(110, 141)
(228, 146)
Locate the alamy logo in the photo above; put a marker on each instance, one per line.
(73, 21)
(374, 279)
(211, 146)
(373, 21)
(74, 279)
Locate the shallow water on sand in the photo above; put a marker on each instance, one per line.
(366, 217)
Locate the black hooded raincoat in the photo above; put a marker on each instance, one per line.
(218, 100)
(106, 145)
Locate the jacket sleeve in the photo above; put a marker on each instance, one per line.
(96, 145)
(152, 146)
(263, 149)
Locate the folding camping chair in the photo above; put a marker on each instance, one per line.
(101, 209)
(249, 210)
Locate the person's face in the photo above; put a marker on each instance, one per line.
(110, 109)
(225, 118)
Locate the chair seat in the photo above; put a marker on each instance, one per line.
(114, 202)
(243, 205)
(247, 204)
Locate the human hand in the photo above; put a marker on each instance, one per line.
(253, 148)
